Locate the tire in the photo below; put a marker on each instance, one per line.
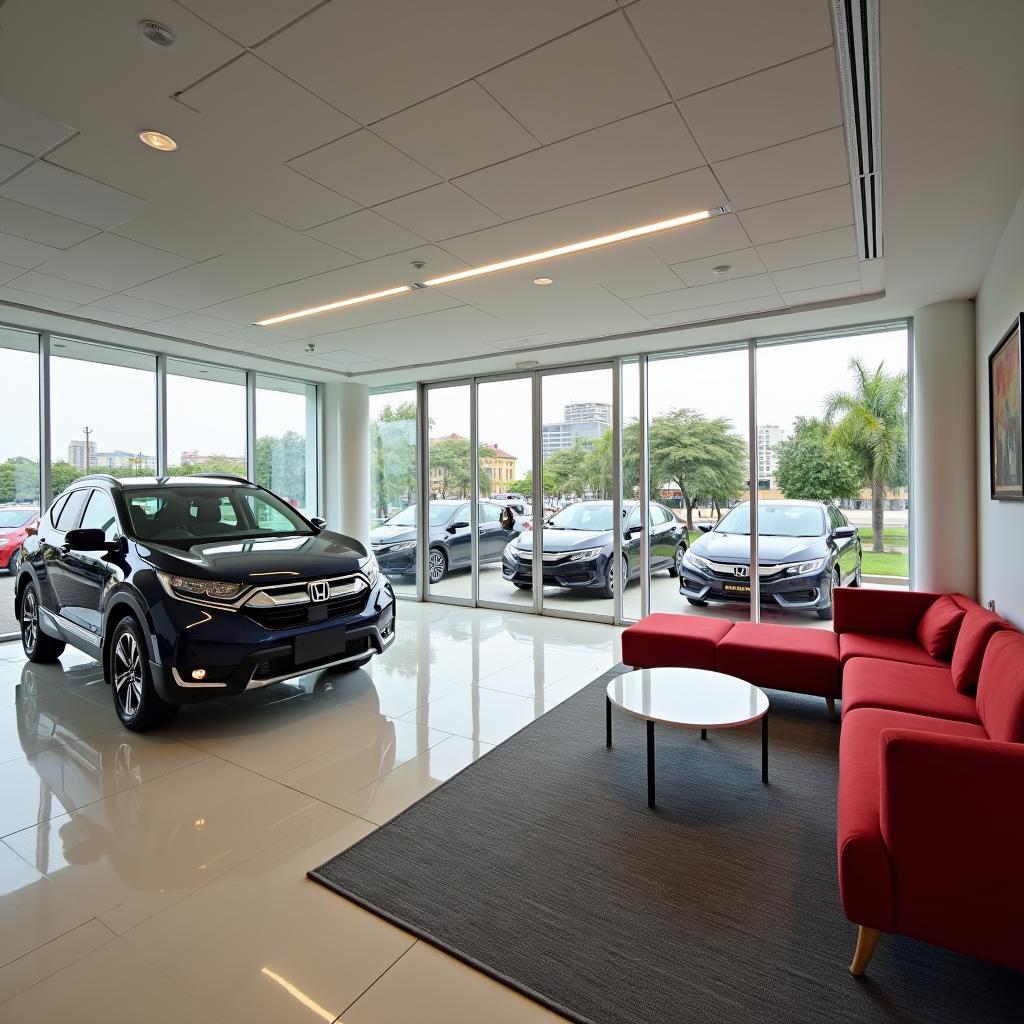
(138, 705)
(696, 603)
(608, 590)
(523, 586)
(437, 565)
(352, 666)
(38, 646)
(677, 561)
(14, 563)
(826, 613)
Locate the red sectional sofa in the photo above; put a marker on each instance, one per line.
(931, 759)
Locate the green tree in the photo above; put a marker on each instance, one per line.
(19, 480)
(702, 457)
(62, 475)
(281, 465)
(814, 468)
(449, 459)
(598, 466)
(393, 456)
(568, 472)
(871, 423)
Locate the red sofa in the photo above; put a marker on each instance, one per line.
(931, 759)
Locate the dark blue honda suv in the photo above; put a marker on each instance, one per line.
(192, 588)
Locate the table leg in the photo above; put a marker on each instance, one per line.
(608, 721)
(764, 748)
(650, 763)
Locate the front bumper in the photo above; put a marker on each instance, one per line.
(240, 654)
(583, 575)
(396, 563)
(792, 593)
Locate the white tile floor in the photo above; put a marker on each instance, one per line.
(162, 877)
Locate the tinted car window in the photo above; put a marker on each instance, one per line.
(775, 521)
(56, 508)
(100, 515)
(72, 507)
(634, 519)
(489, 513)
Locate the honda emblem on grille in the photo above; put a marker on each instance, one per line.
(319, 591)
(738, 570)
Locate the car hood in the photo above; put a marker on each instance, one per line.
(735, 547)
(4, 530)
(565, 540)
(392, 534)
(260, 560)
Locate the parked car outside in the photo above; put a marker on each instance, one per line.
(448, 537)
(805, 549)
(579, 547)
(16, 523)
(192, 588)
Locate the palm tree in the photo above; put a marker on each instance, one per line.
(871, 423)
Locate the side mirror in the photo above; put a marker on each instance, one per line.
(87, 540)
(458, 526)
(320, 524)
(631, 531)
(705, 527)
(845, 531)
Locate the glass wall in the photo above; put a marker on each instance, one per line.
(102, 412)
(206, 419)
(286, 441)
(833, 470)
(393, 489)
(19, 438)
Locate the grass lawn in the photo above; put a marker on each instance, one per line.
(890, 563)
(898, 536)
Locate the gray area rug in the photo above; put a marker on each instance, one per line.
(542, 865)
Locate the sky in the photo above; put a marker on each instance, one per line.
(793, 380)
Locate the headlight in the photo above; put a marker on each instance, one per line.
(799, 568)
(184, 589)
(369, 568)
(583, 556)
(404, 545)
(695, 561)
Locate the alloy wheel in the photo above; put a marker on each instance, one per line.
(679, 560)
(127, 674)
(435, 565)
(29, 621)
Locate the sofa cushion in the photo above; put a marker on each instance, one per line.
(865, 871)
(976, 630)
(781, 657)
(888, 648)
(937, 630)
(916, 689)
(673, 641)
(1001, 687)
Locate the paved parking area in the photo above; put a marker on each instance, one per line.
(8, 623)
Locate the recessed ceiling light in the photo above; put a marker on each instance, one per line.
(722, 268)
(157, 140)
(543, 280)
(270, 321)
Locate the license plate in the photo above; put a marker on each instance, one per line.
(737, 588)
(322, 644)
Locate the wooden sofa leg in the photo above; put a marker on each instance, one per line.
(831, 702)
(867, 939)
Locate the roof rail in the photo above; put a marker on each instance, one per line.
(224, 476)
(109, 477)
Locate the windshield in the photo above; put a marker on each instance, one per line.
(11, 518)
(591, 516)
(437, 515)
(775, 521)
(183, 516)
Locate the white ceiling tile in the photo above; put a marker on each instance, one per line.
(705, 238)
(35, 300)
(782, 172)
(697, 44)
(798, 252)
(726, 309)
(417, 50)
(597, 74)
(819, 211)
(112, 263)
(39, 226)
(818, 274)
(253, 108)
(249, 21)
(196, 231)
(138, 309)
(109, 316)
(364, 168)
(872, 276)
(625, 269)
(298, 202)
(366, 234)
(827, 293)
(9, 272)
(635, 150)
(22, 253)
(773, 106)
(25, 130)
(441, 211)
(195, 322)
(57, 288)
(11, 161)
(705, 295)
(67, 194)
(743, 263)
(458, 131)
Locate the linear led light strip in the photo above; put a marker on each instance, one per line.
(491, 268)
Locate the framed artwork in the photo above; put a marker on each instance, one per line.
(1005, 417)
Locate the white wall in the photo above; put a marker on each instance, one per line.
(1000, 523)
(346, 424)
(943, 488)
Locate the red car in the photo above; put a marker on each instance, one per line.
(16, 522)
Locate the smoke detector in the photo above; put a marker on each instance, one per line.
(155, 33)
(722, 268)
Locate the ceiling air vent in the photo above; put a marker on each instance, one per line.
(856, 30)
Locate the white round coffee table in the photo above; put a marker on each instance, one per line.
(688, 698)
